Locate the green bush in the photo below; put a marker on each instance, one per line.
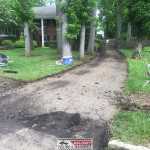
(7, 43)
(51, 44)
(98, 45)
(20, 44)
(22, 37)
(35, 44)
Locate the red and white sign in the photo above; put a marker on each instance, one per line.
(75, 144)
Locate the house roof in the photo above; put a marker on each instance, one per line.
(45, 12)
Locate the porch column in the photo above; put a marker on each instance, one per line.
(42, 31)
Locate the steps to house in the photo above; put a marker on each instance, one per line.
(110, 44)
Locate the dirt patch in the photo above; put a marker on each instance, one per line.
(132, 102)
(141, 100)
(82, 72)
(7, 85)
(59, 84)
(61, 124)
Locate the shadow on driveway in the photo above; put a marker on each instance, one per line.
(66, 125)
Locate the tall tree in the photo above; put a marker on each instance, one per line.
(59, 26)
(119, 18)
(91, 43)
(129, 31)
(24, 13)
(7, 15)
(139, 16)
(108, 17)
(66, 47)
(79, 18)
(82, 41)
(85, 19)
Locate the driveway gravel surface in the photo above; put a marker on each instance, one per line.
(78, 103)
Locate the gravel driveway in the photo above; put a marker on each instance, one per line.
(79, 101)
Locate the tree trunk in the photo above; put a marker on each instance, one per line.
(42, 32)
(66, 48)
(119, 19)
(82, 41)
(59, 37)
(31, 40)
(129, 32)
(27, 39)
(59, 27)
(119, 25)
(91, 43)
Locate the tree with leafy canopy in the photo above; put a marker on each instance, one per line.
(107, 17)
(80, 16)
(139, 16)
(92, 36)
(7, 15)
(24, 15)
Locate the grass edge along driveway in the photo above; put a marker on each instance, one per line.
(137, 72)
(134, 126)
(41, 64)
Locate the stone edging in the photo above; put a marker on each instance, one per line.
(118, 145)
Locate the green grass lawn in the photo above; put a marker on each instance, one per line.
(40, 64)
(128, 126)
(132, 127)
(137, 71)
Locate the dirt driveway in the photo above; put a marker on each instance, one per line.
(74, 104)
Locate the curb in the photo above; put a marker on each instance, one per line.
(118, 145)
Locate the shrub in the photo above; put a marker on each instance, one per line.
(21, 37)
(51, 44)
(99, 44)
(7, 43)
(35, 44)
(20, 44)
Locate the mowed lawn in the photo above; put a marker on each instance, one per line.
(42, 63)
(132, 127)
(137, 71)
